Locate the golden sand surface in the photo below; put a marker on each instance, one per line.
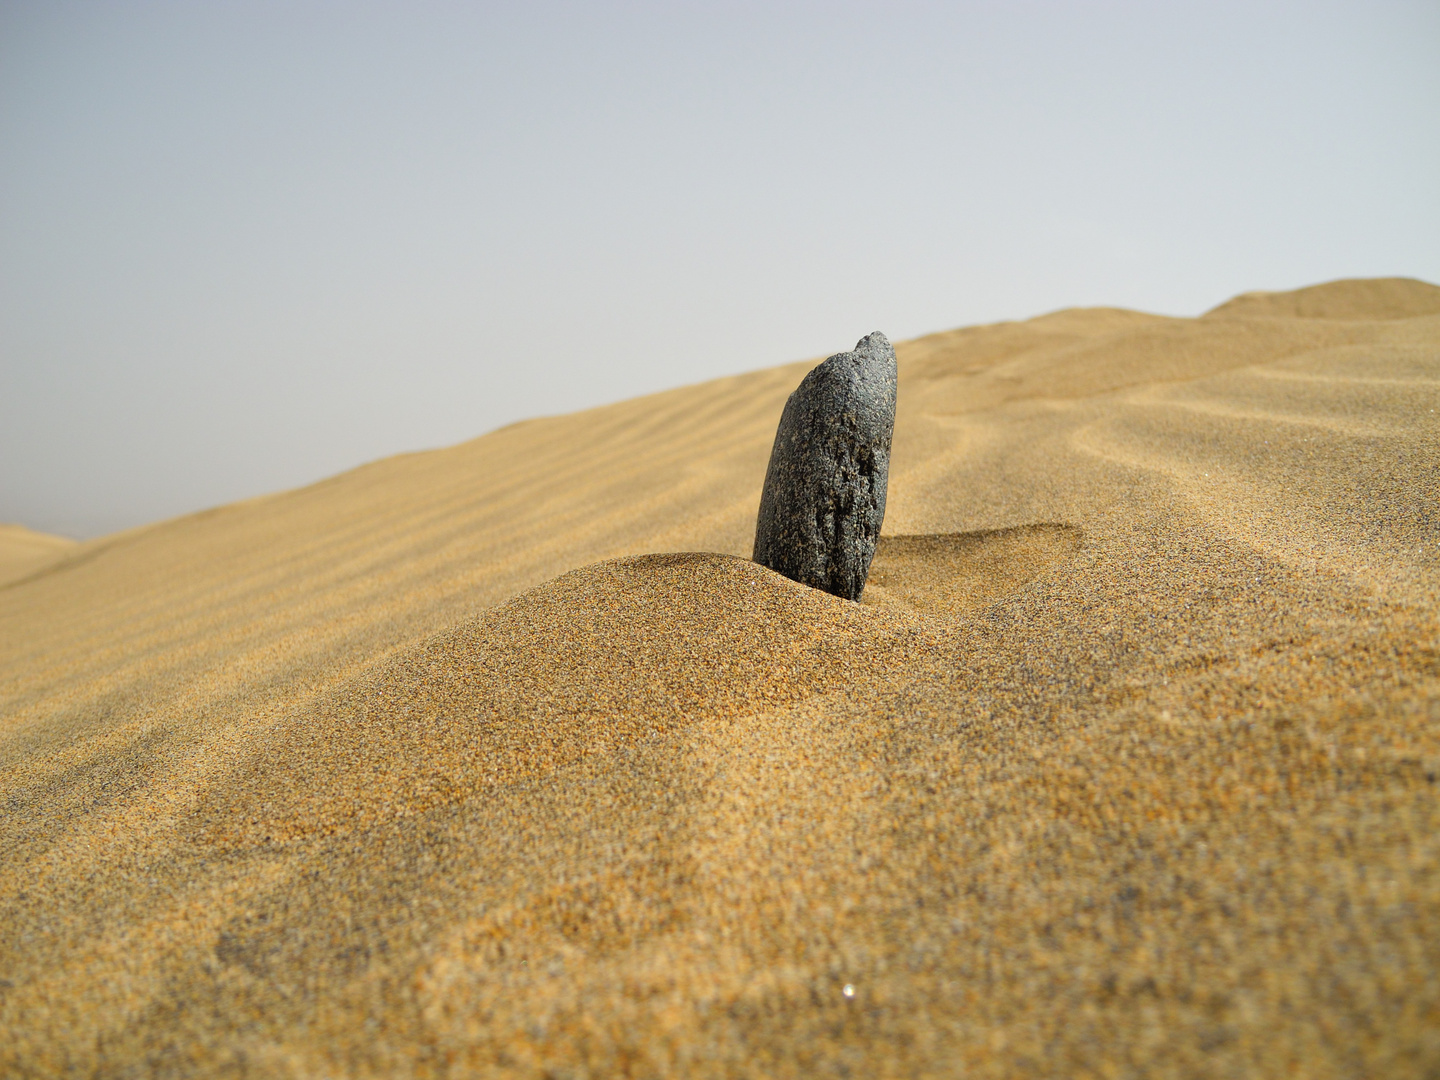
(503, 760)
(24, 551)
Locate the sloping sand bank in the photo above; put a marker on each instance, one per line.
(1128, 765)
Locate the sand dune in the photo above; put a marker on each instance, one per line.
(1376, 298)
(24, 552)
(1127, 765)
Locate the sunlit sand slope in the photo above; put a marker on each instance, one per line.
(1127, 765)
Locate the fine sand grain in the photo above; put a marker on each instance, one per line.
(1127, 765)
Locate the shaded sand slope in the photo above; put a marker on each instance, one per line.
(1127, 766)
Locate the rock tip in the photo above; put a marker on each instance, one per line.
(875, 344)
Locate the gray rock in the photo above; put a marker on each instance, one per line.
(824, 495)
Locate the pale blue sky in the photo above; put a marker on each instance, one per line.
(247, 245)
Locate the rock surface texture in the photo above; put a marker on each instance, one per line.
(824, 497)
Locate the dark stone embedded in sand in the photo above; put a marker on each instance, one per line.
(824, 495)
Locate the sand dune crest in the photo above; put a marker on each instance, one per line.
(1372, 298)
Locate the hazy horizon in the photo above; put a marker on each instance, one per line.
(244, 247)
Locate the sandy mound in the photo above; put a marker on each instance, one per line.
(589, 664)
(594, 662)
(24, 552)
(1127, 765)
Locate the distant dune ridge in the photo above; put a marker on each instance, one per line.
(24, 551)
(503, 760)
(1377, 298)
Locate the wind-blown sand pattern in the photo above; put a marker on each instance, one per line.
(1127, 765)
